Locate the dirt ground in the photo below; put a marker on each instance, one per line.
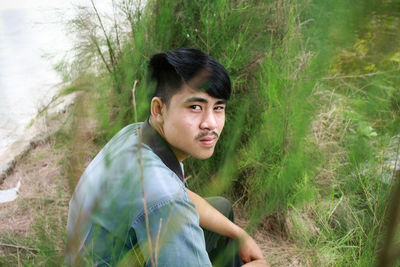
(276, 248)
(40, 178)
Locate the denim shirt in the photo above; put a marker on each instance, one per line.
(107, 221)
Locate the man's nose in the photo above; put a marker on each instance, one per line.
(209, 121)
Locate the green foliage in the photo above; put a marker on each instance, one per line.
(284, 57)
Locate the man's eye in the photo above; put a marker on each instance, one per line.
(195, 107)
(219, 108)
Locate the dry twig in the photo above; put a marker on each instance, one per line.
(146, 214)
(18, 247)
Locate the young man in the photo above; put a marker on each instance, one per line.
(131, 205)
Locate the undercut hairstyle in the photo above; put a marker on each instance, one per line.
(171, 69)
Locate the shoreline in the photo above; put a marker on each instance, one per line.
(46, 122)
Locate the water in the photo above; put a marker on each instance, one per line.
(32, 39)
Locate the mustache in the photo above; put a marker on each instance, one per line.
(204, 134)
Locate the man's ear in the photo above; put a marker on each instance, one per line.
(156, 109)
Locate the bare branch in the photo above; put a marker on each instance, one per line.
(18, 247)
(387, 257)
(110, 49)
(146, 214)
(360, 75)
(116, 29)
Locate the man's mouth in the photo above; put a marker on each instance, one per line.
(208, 140)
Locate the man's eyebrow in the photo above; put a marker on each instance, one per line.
(196, 99)
(220, 102)
(203, 100)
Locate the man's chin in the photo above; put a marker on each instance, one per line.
(205, 155)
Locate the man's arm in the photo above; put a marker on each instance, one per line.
(212, 220)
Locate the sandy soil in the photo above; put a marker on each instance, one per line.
(40, 176)
(276, 248)
(41, 209)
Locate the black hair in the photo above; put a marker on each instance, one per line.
(186, 65)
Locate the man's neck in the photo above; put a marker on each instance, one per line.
(180, 155)
(160, 147)
(157, 126)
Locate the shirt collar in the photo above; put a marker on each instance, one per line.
(161, 148)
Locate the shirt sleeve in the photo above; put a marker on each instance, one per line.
(175, 235)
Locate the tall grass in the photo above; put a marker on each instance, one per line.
(315, 104)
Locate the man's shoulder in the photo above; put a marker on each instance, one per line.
(123, 139)
(123, 168)
(117, 176)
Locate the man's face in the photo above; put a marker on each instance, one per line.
(192, 123)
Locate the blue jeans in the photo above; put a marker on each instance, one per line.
(222, 250)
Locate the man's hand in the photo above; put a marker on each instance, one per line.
(248, 249)
(257, 263)
(213, 220)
